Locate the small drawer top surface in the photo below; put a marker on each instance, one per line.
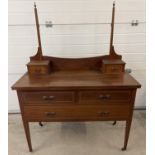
(108, 62)
(40, 63)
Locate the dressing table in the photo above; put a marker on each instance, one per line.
(76, 89)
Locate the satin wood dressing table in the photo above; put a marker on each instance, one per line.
(81, 89)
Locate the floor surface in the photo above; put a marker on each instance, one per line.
(83, 138)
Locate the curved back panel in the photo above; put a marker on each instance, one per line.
(93, 63)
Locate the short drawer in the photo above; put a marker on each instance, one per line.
(72, 113)
(42, 97)
(38, 70)
(113, 68)
(94, 97)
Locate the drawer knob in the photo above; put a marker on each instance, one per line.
(104, 97)
(114, 69)
(103, 113)
(37, 70)
(48, 97)
(50, 114)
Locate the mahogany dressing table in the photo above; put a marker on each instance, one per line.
(81, 89)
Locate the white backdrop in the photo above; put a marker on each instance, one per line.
(81, 28)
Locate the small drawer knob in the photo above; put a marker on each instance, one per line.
(114, 69)
(37, 70)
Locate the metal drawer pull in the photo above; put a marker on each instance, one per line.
(103, 113)
(48, 97)
(105, 97)
(50, 114)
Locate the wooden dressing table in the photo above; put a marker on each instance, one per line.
(83, 89)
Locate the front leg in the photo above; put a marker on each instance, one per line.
(27, 133)
(41, 124)
(127, 132)
(114, 123)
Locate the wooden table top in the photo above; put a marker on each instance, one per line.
(76, 79)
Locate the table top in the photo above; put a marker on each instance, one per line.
(90, 79)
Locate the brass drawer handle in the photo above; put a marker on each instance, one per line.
(104, 97)
(103, 113)
(48, 97)
(50, 114)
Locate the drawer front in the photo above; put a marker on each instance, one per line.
(101, 97)
(49, 97)
(73, 113)
(113, 68)
(38, 69)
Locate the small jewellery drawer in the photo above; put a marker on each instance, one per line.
(38, 70)
(42, 97)
(93, 97)
(39, 67)
(113, 68)
(81, 112)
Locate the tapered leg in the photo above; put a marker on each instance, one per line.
(127, 132)
(114, 123)
(41, 124)
(27, 133)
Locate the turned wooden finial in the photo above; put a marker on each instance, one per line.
(113, 3)
(35, 4)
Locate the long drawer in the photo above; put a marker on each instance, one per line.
(75, 112)
(108, 96)
(49, 97)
